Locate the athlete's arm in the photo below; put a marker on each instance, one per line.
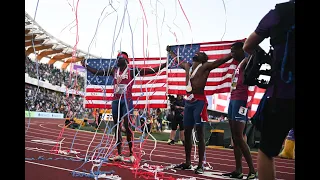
(180, 107)
(100, 72)
(243, 66)
(212, 65)
(183, 65)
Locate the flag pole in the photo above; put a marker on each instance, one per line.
(167, 85)
(84, 88)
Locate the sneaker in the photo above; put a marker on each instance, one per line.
(199, 170)
(171, 142)
(179, 142)
(234, 174)
(132, 158)
(183, 166)
(117, 158)
(252, 176)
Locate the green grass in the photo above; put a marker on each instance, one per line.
(89, 128)
(157, 135)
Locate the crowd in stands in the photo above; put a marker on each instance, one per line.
(52, 101)
(54, 75)
(55, 102)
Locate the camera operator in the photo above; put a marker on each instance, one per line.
(177, 106)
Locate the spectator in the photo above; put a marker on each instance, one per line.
(177, 107)
(51, 101)
(54, 76)
(54, 102)
(159, 116)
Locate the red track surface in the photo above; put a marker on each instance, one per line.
(221, 160)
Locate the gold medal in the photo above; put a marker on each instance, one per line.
(188, 88)
(116, 88)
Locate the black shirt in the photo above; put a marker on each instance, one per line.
(179, 103)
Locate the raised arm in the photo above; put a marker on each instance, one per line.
(262, 32)
(212, 65)
(183, 65)
(252, 42)
(100, 72)
(146, 71)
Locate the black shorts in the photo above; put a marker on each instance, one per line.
(278, 119)
(177, 120)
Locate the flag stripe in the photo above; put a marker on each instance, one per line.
(134, 90)
(109, 98)
(138, 106)
(222, 100)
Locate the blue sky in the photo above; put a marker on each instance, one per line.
(207, 21)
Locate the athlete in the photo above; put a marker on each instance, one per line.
(237, 119)
(195, 109)
(123, 82)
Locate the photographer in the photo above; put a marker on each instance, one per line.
(177, 106)
(278, 104)
(170, 112)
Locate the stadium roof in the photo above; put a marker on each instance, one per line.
(45, 45)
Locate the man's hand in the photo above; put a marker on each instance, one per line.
(168, 48)
(83, 63)
(229, 55)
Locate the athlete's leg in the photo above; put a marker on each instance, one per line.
(232, 113)
(188, 143)
(200, 133)
(238, 126)
(174, 123)
(240, 144)
(201, 145)
(127, 117)
(188, 124)
(116, 114)
(181, 128)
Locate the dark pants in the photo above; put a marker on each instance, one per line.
(278, 120)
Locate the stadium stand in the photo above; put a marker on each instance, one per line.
(52, 101)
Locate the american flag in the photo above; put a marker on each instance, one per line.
(148, 91)
(219, 80)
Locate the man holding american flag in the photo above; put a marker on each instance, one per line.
(195, 111)
(122, 103)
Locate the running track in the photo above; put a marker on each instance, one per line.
(221, 160)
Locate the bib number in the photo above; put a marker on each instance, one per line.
(243, 110)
